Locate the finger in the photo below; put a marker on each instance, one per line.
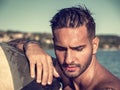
(50, 70)
(55, 73)
(32, 70)
(45, 72)
(39, 72)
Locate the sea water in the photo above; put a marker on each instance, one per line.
(110, 59)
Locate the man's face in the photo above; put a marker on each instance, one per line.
(73, 50)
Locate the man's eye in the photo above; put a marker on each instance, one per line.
(79, 49)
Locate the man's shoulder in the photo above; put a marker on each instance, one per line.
(113, 84)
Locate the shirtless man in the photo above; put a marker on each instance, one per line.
(75, 45)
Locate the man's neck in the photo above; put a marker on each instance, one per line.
(85, 79)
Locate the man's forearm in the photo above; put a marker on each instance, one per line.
(22, 44)
(18, 43)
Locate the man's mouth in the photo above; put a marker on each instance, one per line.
(70, 68)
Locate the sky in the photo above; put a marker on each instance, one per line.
(34, 15)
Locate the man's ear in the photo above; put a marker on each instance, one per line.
(95, 43)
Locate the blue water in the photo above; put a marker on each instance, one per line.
(109, 59)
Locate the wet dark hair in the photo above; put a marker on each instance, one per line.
(74, 17)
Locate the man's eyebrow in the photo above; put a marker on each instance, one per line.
(76, 47)
(58, 46)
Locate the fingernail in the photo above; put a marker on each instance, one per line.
(49, 83)
(32, 76)
(38, 81)
(43, 84)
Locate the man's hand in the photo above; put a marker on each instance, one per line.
(41, 65)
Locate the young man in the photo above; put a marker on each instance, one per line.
(75, 45)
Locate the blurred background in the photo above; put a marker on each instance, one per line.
(34, 15)
(29, 19)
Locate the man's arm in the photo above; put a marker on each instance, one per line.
(42, 61)
(18, 43)
(38, 59)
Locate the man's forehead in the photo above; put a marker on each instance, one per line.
(70, 36)
(71, 32)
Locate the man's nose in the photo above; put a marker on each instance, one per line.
(68, 57)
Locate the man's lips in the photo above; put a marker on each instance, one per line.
(70, 68)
